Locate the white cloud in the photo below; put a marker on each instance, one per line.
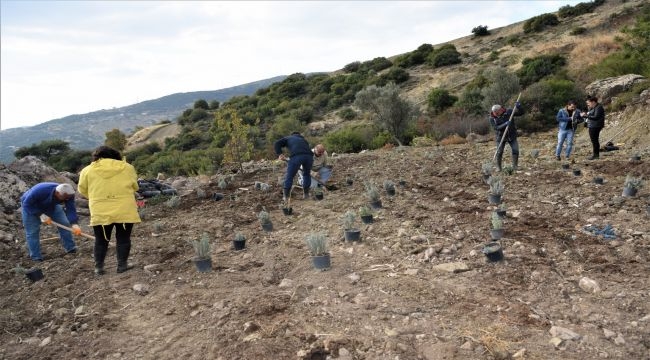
(62, 58)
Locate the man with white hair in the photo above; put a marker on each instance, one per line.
(506, 132)
(321, 170)
(44, 202)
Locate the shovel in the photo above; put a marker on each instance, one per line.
(70, 229)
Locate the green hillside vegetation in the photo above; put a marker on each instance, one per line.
(545, 82)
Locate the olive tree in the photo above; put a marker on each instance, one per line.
(501, 86)
(392, 113)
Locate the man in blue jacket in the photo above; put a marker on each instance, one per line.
(300, 155)
(42, 202)
(567, 118)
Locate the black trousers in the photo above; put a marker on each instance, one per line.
(122, 242)
(594, 134)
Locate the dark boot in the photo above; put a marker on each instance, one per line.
(305, 194)
(499, 161)
(123, 251)
(285, 195)
(99, 252)
(515, 161)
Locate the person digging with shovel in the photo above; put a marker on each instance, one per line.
(300, 156)
(321, 170)
(42, 203)
(501, 120)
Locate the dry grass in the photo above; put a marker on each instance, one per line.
(452, 140)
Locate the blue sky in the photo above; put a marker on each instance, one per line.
(60, 58)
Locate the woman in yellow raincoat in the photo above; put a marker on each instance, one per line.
(110, 184)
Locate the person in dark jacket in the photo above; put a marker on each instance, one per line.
(568, 118)
(300, 155)
(42, 203)
(595, 119)
(500, 122)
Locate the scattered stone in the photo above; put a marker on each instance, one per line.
(564, 333)
(619, 340)
(286, 283)
(401, 232)
(45, 341)
(556, 341)
(194, 313)
(608, 334)
(354, 277)
(419, 238)
(454, 267)
(411, 272)
(519, 354)
(250, 327)
(429, 253)
(391, 332)
(31, 341)
(153, 268)
(79, 311)
(141, 289)
(589, 285)
(645, 318)
(515, 214)
(467, 346)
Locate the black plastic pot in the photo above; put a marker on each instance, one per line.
(203, 265)
(494, 199)
(318, 196)
(321, 262)
(629, 192)
(390, 191)
(287, 210)
(566, 166)
(34, 274)
(367, 219)
(402, 183)
(267, 227)
(239, 244)
(375, 204)
(577, 172)
(349, 182)
(493, 251)
(635, 158)
(496, 234)
(217, 196)
(598, 180)
(352, 235)
(501, 213)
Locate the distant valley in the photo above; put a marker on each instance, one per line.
(86, 131)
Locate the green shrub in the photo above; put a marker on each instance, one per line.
(579, 30)
(446, 55)
(397, 74)
(569, 11)
(352, 67)
(481, 30)
(540, 22)
(347, 113)
(348, 139)
(439, 99)
(201, 104)
(534, 69)
(513, 40)
(542, 101)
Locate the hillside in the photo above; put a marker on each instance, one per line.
(87, 131)
(417, 286)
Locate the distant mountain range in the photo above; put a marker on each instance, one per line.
(87, 131)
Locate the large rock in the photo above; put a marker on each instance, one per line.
(11, 187)
(607, 88)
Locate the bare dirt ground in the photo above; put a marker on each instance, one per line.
(383, 298)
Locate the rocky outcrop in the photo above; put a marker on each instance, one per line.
(607, 88)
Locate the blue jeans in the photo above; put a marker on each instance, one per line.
(32, 224)
(295, 162)
(324, 174)
(561, 136)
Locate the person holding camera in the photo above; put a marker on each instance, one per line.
(595, 121)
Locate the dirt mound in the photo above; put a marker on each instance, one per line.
(393, 295)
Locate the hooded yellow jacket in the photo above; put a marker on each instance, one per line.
(110, 187)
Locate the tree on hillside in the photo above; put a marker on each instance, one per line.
(440, 99)
(394, 114)
(201, 104)
(501, 87)
(116, 139)
(239, 146)
(44, 150)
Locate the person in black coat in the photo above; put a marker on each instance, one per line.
(595, 121)
(300, 155)
(499, 120)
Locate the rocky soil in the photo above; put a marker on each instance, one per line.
(416, 287)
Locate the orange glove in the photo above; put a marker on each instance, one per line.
(46, 219)
(76, 230)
